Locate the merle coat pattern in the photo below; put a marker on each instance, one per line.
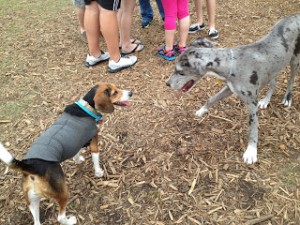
(245, 70)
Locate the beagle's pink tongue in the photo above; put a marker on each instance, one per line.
(125, 103)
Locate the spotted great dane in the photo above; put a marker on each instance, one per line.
(245, 70)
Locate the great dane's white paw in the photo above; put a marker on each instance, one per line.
(79, 159)
(67, 221)
(201, 111)
(99, 173)
(250, 155)
(263, 104)
(287, 102)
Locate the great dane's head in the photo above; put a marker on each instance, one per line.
(191, 66)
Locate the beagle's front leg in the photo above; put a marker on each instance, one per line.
(95, 156)
(78, 159)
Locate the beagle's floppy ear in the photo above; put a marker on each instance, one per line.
(103, 102)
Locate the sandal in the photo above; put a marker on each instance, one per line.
(136, 49)
(168, 55)
(178, 49)
(133, 41)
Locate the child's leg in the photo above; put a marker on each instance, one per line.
(184, 21)
(170, 9)
(92, 27)
(80, 16)
(211, 11)
(198, 4)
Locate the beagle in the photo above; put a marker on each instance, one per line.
(74, 129)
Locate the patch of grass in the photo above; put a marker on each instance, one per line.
(12, 109)
(23, 22)
(290, 173)
(21, 16)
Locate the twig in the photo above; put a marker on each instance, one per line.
(222, 118)
(258, 220)
(5, 121)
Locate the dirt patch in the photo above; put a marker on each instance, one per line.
(162, 164)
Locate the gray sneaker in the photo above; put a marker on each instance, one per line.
(124, 62)
(92, 60)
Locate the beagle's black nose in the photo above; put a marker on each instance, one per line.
(130, 94)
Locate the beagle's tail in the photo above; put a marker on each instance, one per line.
(9, 159)
(5, 156)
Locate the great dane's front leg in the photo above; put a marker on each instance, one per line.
(223, 93)
(263, 103)
(95, 156)
(250, 155)
(295, 66)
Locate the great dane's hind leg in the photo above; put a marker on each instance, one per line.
(295, 66)
(263, 103)
(223, 93)
(250, 155)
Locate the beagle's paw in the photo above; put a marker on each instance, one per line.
(67, 221)
(99, 173)
(250, 155)
(71, 221)
(79, 159)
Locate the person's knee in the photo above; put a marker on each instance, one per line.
(181, 14)
(170, 23)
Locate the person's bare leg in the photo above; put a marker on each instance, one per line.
(211, 12)
(109, 28)
(184, 25)
(125, 22)
(169, 35)
(92, 28)
(198, 4)
(80, 16)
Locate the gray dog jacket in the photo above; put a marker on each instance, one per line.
(63, 139)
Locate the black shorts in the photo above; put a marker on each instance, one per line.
(106, 4)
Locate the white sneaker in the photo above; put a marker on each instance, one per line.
(213, 33)
(196, 27)
(92, 60)
(123, 63)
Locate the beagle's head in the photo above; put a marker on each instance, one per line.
(108, 95)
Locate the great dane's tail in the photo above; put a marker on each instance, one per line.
(202, 41)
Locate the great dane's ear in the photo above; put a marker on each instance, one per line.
(202, 41)
(183, 62)
(103, 102)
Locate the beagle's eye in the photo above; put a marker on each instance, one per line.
(115, 93)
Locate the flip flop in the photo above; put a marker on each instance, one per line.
(133, 41)
(136, 41)
(135, 49)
